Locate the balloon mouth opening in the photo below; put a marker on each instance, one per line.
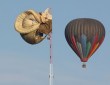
(40, 34)
(84, 59)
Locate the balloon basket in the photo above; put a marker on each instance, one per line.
(84, 65)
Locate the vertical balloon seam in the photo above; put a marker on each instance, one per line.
(88, 48)
(101, 27)
(100, 42)
(67, 33)
(77, 32)
(95, 41)
(75, 46)
(93, 50)
(74, 31)
(85, 31)
(99, 32)
(81, 33)
(90, 33)
(68, 37)
(80, 49)
(79, 36)
(83, 44)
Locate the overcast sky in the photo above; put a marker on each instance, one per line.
(25, 64)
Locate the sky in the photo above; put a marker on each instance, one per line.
(25, 64)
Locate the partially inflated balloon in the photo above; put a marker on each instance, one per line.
(84, 36)
(34, 26)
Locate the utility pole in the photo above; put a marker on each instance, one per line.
(51, 75)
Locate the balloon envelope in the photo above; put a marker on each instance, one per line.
(34, 26)
(84, 36)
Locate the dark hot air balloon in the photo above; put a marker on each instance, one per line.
(84, 36)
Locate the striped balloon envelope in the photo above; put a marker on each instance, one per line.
(84, 36)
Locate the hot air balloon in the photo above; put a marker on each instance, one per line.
(33, 26)
(84, 36)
